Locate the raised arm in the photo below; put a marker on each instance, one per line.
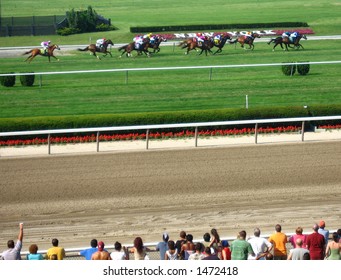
(21, 232)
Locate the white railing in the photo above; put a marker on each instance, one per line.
(147, 128)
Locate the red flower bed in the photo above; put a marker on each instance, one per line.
(141, 136)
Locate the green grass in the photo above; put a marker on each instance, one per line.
(165, 90)
(155, 91)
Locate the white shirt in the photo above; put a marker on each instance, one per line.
(259, 245)
(116, 256)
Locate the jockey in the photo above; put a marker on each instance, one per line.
(100, 43)
(286, 34)
(217, 38)
(200, 38)
(138, 41)
(45, 45)
(293, 36)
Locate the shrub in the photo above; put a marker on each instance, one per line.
(68, 31)
(303, 69)
(289, 70)
(27, 80)
(7, 81)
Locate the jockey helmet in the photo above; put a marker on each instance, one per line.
(49, 42)
(199, 34)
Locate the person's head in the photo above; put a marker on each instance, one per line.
(118, 246)
(198, 247)
(165, 237)
(278, 228)
(49, 42)
(171, 245)
(322, 224)
(269, 256)
(54, 257)
(299, 242)
(207, 237)
(55, 242)
(242, 234)
(315, 227)
(299, 230)
(100, 246)
(225, 243)
(214, 232)
(10, 244)
(208, 251)
(256, 232)
(138, 243)
(306, 256)
(335, 237)
(33, 249)
(189, 237)
(93, 243)
(183, 234)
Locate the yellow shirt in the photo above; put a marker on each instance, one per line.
(59, 251)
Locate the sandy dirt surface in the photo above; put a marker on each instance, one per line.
(120, 195)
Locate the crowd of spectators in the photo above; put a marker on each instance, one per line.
(318, 245)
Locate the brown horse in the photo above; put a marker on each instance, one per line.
(221, 43)
(193, 44)
(248, 40)
(49, 53)
(92, 48)
(155, 45)
(287, 42)
(127, 49)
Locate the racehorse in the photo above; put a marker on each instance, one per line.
(243, 39)
(287, 42)
(192, 44)
(49, 53)
(155, 45)
(221, 44)
(127, 49)
(92, 48)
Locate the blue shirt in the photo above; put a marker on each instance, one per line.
(162, 247)
(87, 253)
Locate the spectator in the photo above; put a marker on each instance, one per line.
(139, 251)
(162, 246)
(87, 253)
(315, 244)
(333, 250)
(207, 239)
(306, 257)
(55, 250)
(299, 234)
(13, 251)
(259, 246)
(298, 252)
(324, 232)
(225, 252)
(120, 252)
(339, 234)
(210, 256)
(54, 257)
(215, 240)
(101, 254)
(172, 253)
(279, 240)
(240, 248)
(188, 248)
(33, 255)
(179, 243)
(197, 255)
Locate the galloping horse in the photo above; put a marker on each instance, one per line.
(155, 45)
(221, 44)
(243, 39)
(127, 49)
(92, 48)
(49, 53)
(192, 44)
(286, 41)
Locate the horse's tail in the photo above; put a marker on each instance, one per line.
(27, 52)
(122, 48)
(271, 41)
(182, 43)
(233, 41)
(83, 50)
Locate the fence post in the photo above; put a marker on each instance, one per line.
(256, 133)
(97, 141)
(49, 144)
(302, 131)
(126, 77)
(147, 139)
(196, 136)
(40, 80)
(210, 75)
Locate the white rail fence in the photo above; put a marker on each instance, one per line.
(127, 70)
(148, 128)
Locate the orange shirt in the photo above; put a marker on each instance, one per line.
(279, 241)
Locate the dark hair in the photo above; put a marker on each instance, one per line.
(182, 234)
(93, 243)
(10, 244)
(189, 237)
(198, 247)
(256, 232)
(171, 245)
(242, 234)
(138, 244)
(33, 249)
(278, 228)
(335, 237)
(55, 242)
(208, 251)
(207, 237)
(215, 234)
(306, 256)
(118, 246)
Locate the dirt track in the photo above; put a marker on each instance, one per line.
(117, 196)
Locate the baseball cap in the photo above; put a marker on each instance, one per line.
(165, 236)
(322, 224)
(100, 246)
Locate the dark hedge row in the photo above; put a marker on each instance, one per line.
(145, 29)
(106, 120)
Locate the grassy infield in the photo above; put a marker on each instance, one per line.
(174, 90)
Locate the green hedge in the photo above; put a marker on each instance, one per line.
(106, 120)
(145, 29)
